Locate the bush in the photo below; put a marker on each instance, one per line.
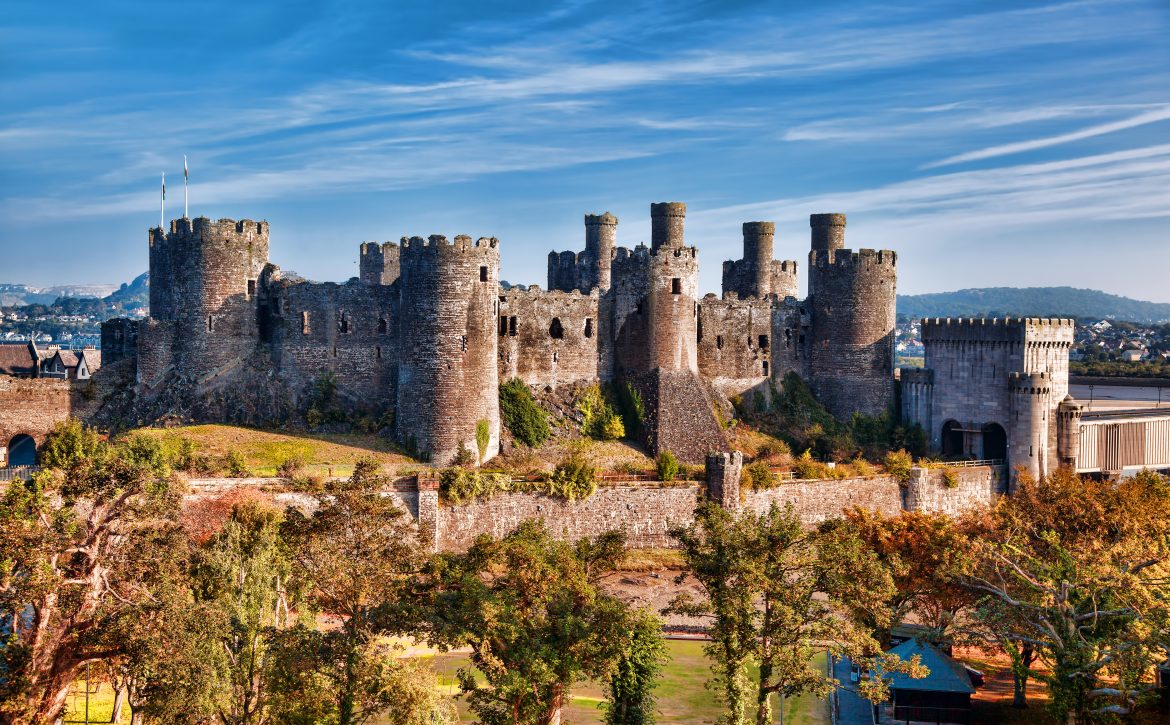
(483, 436)
(898, 464)
(632, 409)
(234, 465)
(950, 478)
(667, 466)
(290, 467)
(773, 450)
(600, 421)
(324, 406)
(521, 415)
(462, 485)
(463, 456)
(574, 478)
(807, 467)
(758, 476)
(69, 443)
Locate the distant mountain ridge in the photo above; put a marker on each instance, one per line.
(1033, 302)
(12, 295)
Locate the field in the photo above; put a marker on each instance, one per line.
(682, 695)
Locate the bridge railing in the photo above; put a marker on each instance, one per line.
(976, 463)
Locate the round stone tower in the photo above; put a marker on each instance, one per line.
(1068, 423)
(674, 309)
(1028, 428)
(666, 224)
(852, 299)
(828, 231)
(207, 274)
(600, 242)
(758, 238)
(447, 379)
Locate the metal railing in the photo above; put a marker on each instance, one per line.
(12, 472)
(974, 463)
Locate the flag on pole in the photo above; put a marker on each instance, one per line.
(184, 186)
(162, 204)
(184, 168)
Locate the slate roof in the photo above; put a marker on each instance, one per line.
(17, 360)
(946, 674)
(93, 359)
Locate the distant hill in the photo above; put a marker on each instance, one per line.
(1032, 302)
(14, 295)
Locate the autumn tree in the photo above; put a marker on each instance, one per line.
(530, 609)
(64, 573)
(631, 686)
(1080, 570)
(350, 557)
(775, 593)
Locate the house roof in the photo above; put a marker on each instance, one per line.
(68, 358)
(946, 674)
(17, 360)
(93, 359)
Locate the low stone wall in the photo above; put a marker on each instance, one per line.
(974, 487)
(645, 513)
(817, 501)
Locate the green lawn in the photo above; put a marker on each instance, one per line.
(682, 694)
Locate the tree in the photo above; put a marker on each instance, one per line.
(631, 686)
(530, 609)
(350, 556)
(921, 552)
(1078, 569)
(64, 575)
(774, 594)
(243, 573)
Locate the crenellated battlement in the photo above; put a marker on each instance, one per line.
(439, 244)
(841, 258)
(1030, 383)
(916, 376)
(534, 291)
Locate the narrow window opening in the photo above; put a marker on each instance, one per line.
(763, 340)
(765, 368)
(719, 342)
(378, 351)
(639, 310)
(483, 275)
(556, 356)
(305, 328)
(503, 325)
(801, 340)
(588, 327)
(555, 331)
(210, 324)
(699, 330)
(343, 324)
(787, 339)
(383, 326)
(463, 343)
(675, 286)
(251, 288)
(512, 326)
(334, 351)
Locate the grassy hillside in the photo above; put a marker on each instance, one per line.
(1032, 302)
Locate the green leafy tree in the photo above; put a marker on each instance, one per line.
(65, 572)
(243, 572)
(530, 609)
(631, 686)
(521, 415)
(350, 556)
(775, 593)
(667, 466)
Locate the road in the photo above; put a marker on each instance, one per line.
(855, 709)
(1118, 397)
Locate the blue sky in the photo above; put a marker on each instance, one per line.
(989, 143)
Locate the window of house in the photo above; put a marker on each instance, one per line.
(588, 327)
(676, 286)
(555, 331)
(483, 275)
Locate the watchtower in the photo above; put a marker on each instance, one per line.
(447, 381)
(757, 274)
(379, 263)
(1028, 422)
(600, 242)
(852, 302)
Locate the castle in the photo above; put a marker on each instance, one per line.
(427, 332)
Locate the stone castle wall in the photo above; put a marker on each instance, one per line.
(735, 338)
(549, 338)
(33, 406)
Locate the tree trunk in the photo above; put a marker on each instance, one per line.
(556, 703)
(1020, 676)
(136, 718)
(119, 701)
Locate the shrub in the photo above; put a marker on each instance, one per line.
(143, 450)
(774, 449)
(950, 478)
(461, 485)
(806, 467)
(574, 478)
(234, 465)
(758, 476)
(70, 442)
(898, 464)
(290, 467)
(633, 411)
(862, 467)
(324, 406)
(521, 415)
(483, 436)
(599, 419)
(667, 466)
(463, 456)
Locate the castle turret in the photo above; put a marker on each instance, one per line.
(852, 300)
(673, 309)
(757, 274)
(828, 231)
(600, 243)
(378, 263)
(1068, 437)
(1028, 428)
(666, 224)
(447, 378)
(917, 396)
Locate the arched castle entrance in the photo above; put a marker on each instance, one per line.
(994, 442)
(952, 438)
(22, 450)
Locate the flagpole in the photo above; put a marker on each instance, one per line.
(162, 203)
(184, 186)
